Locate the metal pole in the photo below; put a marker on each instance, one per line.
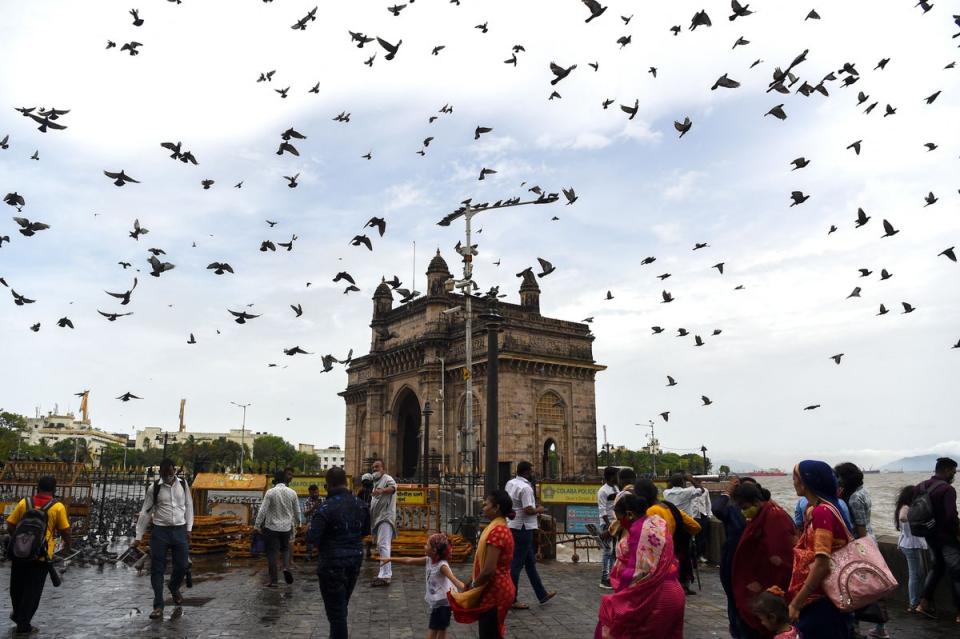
(425, 464)
(471, 435)
(491, 467)
(443, 418)
(243, 431)
(653, 449)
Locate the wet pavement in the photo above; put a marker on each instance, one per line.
(229, 601)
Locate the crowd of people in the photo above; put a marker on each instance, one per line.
(774, 567)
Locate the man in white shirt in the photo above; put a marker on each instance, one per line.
(277, 517)
(523, 527)
(605, 498)
(383, 519)
(169, 507)
(681, 495)
(701, 508)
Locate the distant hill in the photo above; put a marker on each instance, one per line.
(917, 463)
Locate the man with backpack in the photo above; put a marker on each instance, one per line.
(31, 526)
(933, 516)
(169, 507)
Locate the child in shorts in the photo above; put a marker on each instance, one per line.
(439, 580)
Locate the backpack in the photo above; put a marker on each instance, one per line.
(920, 515)
(156, 491)
(29, 541)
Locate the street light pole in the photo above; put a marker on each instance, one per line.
(653, 446)
(243, 432)
(425, 465)
(492, 475)
(467, 211)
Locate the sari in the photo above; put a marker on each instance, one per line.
(763, 558)
(648, 600)
(499, 592)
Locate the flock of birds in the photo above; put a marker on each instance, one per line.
(785, 80)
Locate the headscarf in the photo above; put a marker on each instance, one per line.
(818, 476)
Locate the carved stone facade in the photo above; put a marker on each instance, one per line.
(417, 354)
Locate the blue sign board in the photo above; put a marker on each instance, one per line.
(579, 516)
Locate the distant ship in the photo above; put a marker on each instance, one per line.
(872, 471)
(767, 472)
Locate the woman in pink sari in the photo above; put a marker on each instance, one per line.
(648, 600)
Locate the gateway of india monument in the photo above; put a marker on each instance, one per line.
(547, 411)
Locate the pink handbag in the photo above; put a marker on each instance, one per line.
(859, 575)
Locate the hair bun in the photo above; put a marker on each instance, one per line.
(512, 514)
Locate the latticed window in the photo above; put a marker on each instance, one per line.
(551, 410)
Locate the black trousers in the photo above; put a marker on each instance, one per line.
(277, 543)
(945, 560)
(488, 626)
(336, 585)
(27, 579)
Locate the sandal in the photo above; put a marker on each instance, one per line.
(157, 613)
(929, 614)
(520, 606)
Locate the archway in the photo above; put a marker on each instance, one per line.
(551, 460)
(408, 434)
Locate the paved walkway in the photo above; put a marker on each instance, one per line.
(228, 601)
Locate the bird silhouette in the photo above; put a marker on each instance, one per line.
(220, 267)
(242, 316)
(125, 296)
(120, 178)
(560, 72)
(595, 9)
(391, 49)
(739, 11)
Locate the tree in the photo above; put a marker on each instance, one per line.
(12, 420)
(724, 469)
(111, 456)
(270, 449)
(72, 448)
(306, 463)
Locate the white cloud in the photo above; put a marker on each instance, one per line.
(642, 192)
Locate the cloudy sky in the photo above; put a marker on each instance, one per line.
(643, 192)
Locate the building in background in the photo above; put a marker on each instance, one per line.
(328, 457)
(546, 398)
(53, 428)
(152, 437)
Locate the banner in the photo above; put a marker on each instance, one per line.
(221, 481)
(551, 493)
(579, 516)
(301, 483)
(411, 496)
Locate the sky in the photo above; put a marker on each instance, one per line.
(643, 192)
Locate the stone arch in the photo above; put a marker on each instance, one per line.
(550, 461)
(406, 416)
(551, 416)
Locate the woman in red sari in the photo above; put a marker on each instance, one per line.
(648, 600)
(489, 595)
(764, 556)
